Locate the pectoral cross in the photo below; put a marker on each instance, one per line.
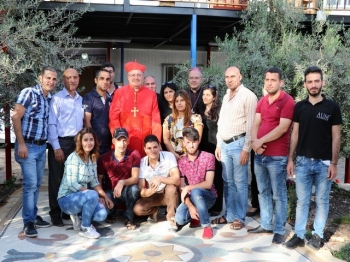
(134, 111)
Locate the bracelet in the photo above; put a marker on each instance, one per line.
(334, 164)
(122, 182)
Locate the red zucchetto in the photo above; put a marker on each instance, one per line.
(129, 66)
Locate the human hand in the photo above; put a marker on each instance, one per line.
(59, 155)
(218, 153)
(117, 192)
(22, 151)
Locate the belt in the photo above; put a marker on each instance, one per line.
(234, 138)
(35, 142)
(67, 137)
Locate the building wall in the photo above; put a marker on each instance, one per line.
(154, 59)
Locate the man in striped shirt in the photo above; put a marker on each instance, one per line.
(30, 122)
(233, 146)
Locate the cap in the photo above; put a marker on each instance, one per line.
(129, 66)
(119, 132)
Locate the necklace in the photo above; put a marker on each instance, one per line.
(135, 110)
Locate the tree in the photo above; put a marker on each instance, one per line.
(274, 34)
(31, 38)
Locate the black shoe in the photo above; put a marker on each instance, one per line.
(57, 221)
(314, 242)
(29, 230)
(259, 229)
(277, 238)
(39, 222)
(254, 213)
(65, 216)
(294, 242)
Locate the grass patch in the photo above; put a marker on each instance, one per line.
(342, 220)
(343, 253)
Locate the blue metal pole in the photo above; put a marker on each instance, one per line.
(122, 63)
(194, 40)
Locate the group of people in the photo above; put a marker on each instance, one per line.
(132, 147)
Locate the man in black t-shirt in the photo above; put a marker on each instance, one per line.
(316, 141)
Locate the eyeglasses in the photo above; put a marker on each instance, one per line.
(135, 75)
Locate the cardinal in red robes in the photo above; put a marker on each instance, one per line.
(135, 108)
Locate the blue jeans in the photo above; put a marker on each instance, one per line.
(271, 177)
(84, 202)
(202, 199)
(235, 178)
(309, 171)
(33, 171)
(129, 196)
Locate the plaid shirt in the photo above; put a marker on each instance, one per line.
(35, 118)
(77, 174)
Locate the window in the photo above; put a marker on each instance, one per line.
(168, 72)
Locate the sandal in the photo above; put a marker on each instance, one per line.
(237, 225)
(130, 225)
(219, 221)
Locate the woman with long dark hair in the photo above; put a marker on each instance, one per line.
(74, 197)
(166, 98)
(209, 111)
(180, 117)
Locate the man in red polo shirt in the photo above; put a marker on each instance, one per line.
(120, 167)
(270, 141)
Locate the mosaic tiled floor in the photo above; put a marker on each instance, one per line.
(150, 242)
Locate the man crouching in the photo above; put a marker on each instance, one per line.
(198, 192)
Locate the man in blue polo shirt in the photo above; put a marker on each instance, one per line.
(96, 106)
(30, 122)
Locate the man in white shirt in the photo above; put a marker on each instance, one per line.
(159, 178)
(233, 146)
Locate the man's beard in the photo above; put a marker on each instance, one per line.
(314, 94)
(193, 153)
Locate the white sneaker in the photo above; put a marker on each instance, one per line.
(89, 232)
(76, 222)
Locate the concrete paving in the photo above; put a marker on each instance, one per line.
(150, 242)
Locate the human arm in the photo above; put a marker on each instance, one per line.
(167, 137)
(52, 129)
(132, 180)
(198, 124)
(206, 184)
(72, 168)
(18, 113)
(144, 192)
(292, 148)
(249, 108)
(114, 110)
(156, 124)
(274, 134)
(107, 201)
(87, 119)
(332, 170)
(255, 128)
(172, 179)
